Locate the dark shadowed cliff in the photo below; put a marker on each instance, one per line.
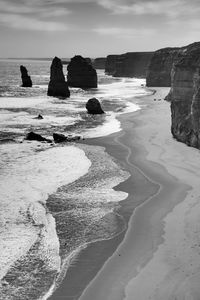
(185, 97)
(159, 70)
(99, 63)
(131, 64)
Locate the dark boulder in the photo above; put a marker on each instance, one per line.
(93, 106)
(60, 138)
(26, 79)
(81, 73)
(32, 136)
(58, 87)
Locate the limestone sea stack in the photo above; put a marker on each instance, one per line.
(110, 64)
(185, 97)
(58, 87)
(81, 73)
(93, 107)
(26, 79)
(159, 70)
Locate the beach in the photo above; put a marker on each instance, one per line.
(158, 256)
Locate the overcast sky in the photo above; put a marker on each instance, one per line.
(45, 28)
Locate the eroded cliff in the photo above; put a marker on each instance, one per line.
(185, 97)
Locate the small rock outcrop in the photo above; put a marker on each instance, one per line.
(93, 107)
(60, 138)
(81, 73)
(99, 63)
(32, 136)
(58, 87)
(160, 67)
(185, 97)
(26, 79)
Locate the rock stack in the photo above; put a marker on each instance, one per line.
(58, 87)
(26, 79)
(93, 107)
(185, 97)
(81, 73)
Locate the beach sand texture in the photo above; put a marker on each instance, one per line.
(159, 257)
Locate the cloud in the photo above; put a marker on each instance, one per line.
(170, 8)
(124, 32)
(22, 22)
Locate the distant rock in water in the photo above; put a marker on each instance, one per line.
(160, 67)
(93, 106)
(60, 138)
(32, 136)
(81, 73)
(39, 117)
(99, 63)
(26, 79)
(58, 87)
(185, 97)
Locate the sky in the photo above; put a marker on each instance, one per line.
(45, 28)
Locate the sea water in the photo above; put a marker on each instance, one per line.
(54, 199)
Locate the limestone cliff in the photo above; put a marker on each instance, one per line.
(159, 70)
(99, 63)
(131, 64)
(185, 96)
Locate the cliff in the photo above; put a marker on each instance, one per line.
(57, 86)
(159, 70)
(99, 63)
(185, 97)
(81, 73)
(133, 64)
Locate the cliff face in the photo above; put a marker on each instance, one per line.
(99, 63)
(110, 64)
(131, 64)
(159, 70)
(57, 86)
(81, 73)
(185, 97)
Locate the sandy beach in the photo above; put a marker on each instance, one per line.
(158, 256)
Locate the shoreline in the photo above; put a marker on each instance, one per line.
(155, 189)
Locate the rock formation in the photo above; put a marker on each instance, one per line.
(99, 63)
(185, 97)
(110, 64)
(93, 106)
(32, 136)
(81, 73)
(60, 138)
(131, 64)
(58, 87)
(159, 70)
(26, 79)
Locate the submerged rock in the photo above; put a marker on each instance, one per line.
(81, 73)
(39, 117)
(60, 138)
(58, 87)
(32, 136)
(93, 106)
(185, 97)
(26, 79)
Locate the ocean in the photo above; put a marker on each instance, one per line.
(55, 198)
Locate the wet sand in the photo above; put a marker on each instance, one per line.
(146, 262)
